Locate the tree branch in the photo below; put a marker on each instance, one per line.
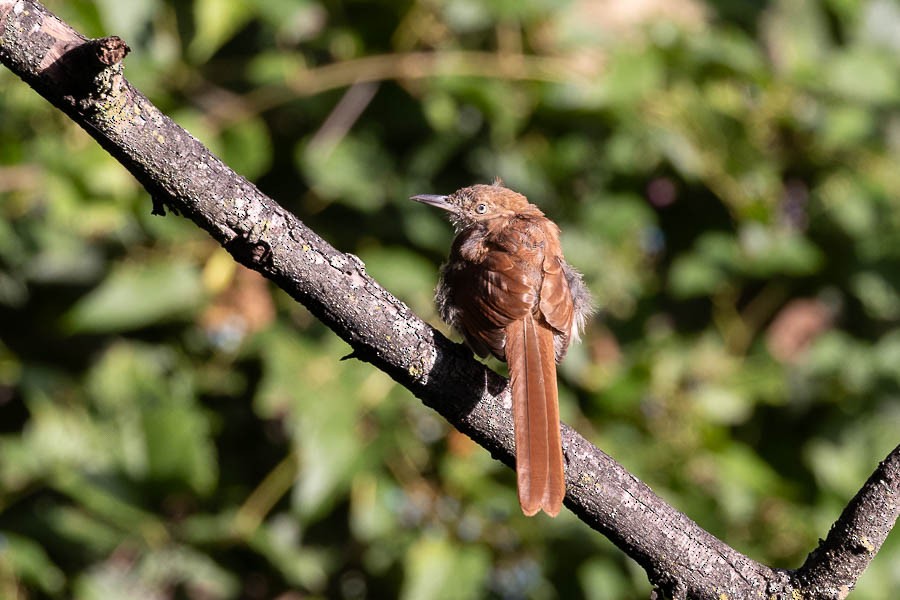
(857, 535)
(84, 79)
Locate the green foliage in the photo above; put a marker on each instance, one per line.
(725, 175)
(134, 296)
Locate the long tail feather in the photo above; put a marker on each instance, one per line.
(539, 461)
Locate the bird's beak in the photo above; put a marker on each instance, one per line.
(434, 200)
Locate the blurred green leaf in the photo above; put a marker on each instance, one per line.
(108, 505)
(602, 581)
(163, 434)
(722, 404)
(887, 353)
(370, 517)
(693, 275)
(864, 75)
(246, 148)
(769, 251)
(27, 561)
(216, 22)
(112, 581)
(137, 295)
(193, 570)
(128, 23)
(839, 467)
(845, 125)
(878, 295)
(90, 532)
(279, 541)
(298, 380)
(352, 172)
(154, 574)
(406, 274)
(796, 36)
(438, 569)
(177, 447)
(746, 481)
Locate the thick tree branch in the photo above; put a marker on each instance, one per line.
(84, 79)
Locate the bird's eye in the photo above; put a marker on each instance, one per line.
(481, 208)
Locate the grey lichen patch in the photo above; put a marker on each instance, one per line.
(338, 262)
(254, 214)
(231, 217)
(383, 308)
(406, 327)
(250, 212)
(112, 110)
(356, 280)
(278, 220)
(246, 216)
(109, 82)
(585, 479)
(151, 113)
(423, 358)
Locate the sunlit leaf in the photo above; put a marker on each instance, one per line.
(693, 275)
(439, 569)
(136, 295)
(217, 21)
(350, 171)
(163, 434)
(865, 75)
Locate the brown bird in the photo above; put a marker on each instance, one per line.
(508, 290)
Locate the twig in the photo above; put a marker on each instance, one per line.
(412, 66)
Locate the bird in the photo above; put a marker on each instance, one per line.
(508, 290)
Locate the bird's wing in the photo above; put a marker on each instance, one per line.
(556, 297)
(489, 296)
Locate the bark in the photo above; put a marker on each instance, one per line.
(83, 78)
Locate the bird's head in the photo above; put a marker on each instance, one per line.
(477, 203)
